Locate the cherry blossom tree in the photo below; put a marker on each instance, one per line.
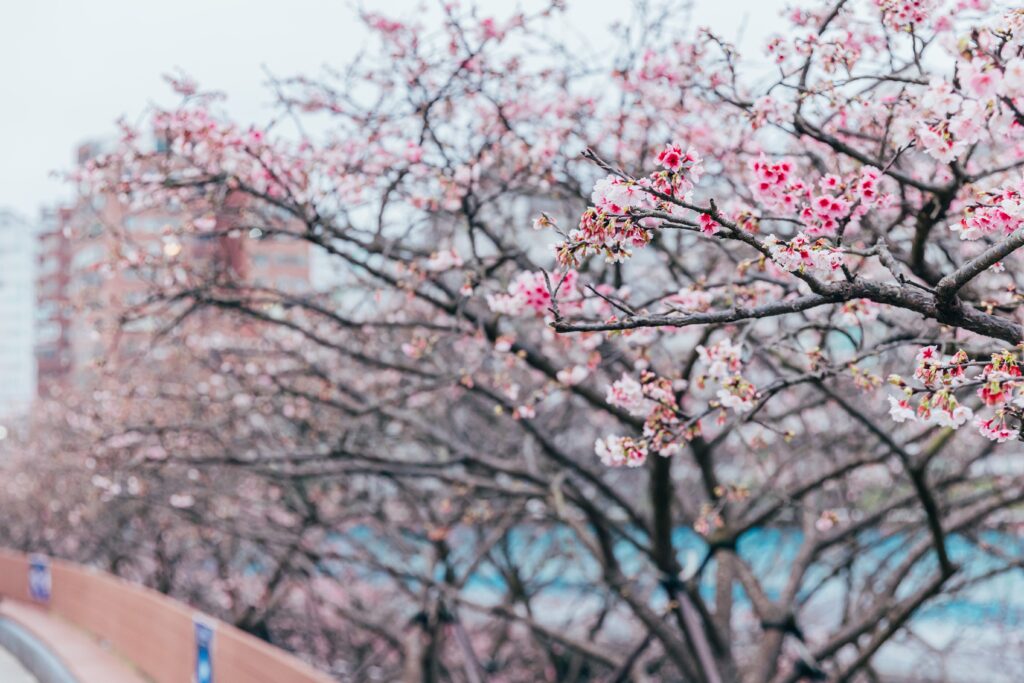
(641, 359)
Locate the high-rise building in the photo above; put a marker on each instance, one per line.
(17, 367)
(82, 299)
(53, 309)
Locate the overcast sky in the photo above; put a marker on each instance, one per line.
(70, 68)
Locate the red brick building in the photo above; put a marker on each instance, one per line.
(81, 298)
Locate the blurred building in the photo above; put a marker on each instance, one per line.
(53, 311)
(17, 368)
(87, 308)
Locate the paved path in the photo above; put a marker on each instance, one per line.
(89, 660)
(11, 671)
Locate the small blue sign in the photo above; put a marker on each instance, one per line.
(39, 581)
(204, 652)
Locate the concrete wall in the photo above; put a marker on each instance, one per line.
(151, 630)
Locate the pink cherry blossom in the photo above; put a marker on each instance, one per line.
(996, 430)
(900, 410)
(981, 78)
(803, 254)
(620, 451)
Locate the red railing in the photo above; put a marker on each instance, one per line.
(155, 633)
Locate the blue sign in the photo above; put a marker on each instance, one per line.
(39, 581)
(204, 652)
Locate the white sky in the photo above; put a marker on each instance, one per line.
(70, 68)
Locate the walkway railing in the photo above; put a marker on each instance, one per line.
(156, 634)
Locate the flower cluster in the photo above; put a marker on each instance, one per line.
(1001, 383)
(999, 387)
(1001, 378)
(653, 398)
(621, 451)
(996, 214)
(937, 405)
(708, 225)
(529, 290)
(980, 78)
(947, 139)
(627, 393)
(995, 428)
(941, 377)
(610, 234)
(724, 362)
(823, 214)
(722, 359)
(737, 394)
(952, 119)
(767, 109)
(902, 15)
(802, 254)
(777, 188)
(615, 195)
(673, 159)
(609, 226)
(774, 185)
